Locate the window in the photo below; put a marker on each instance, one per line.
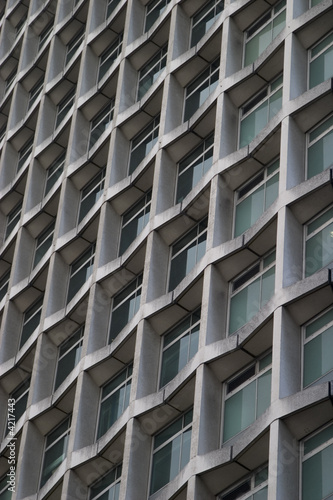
(10, 79)
(100, 123)
(112, 4)
(254, 197)
(13, 218)
(125, 305)
(35, 92)
(24, 154)
(171, 451)
(318, 347)
(142, 143)
(114, 399)
(253, 488)
(54, 172)
(5, 492)
(192, 168)
(247, 396)
(81, 270)
(21, 398)
(187, 252)
(204, 19)
(74, 45)
(198, 91)
(251, 291)
(69, 354)
(317, 459)
(154, 9)
(109, 56)
(3, 131)
(133, 222)
(320, 145)
(91, 193)
(65, 106)
(259, 111)
(4, 282)
(179, 346)
(44, 35)
(314, 2)
(321, 61)
(43, 243)
(31, 320)
(263, 32)
(318, 242)
(108, 487)
(20, 26)
(151, 71)
(55, 449)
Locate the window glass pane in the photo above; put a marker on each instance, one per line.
(154, 11)
(91, 194)
(54, 172)
(268, 284)
(112, 4)
(318, 358)
(258, 44)
(204, 19)
(53, 458)
(249, 210)
(4, 282)
(143, 143)
(319, 323)
(21, 397)
(239, 411)
(107, 483)
(253, 124)
(198, 91)
(320, 155)
(69, 356)
(278, 24)
(261, 495)
(319, 250)
(318, 439)
(81, 270)
(125, 305)
(275, 104)
(134, 221)
(321, 68)
(272, 190)
(244, 305)
(264, 392)
(31, 321)
(317, 478)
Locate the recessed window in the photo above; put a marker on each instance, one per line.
(318, 348)
(142, 143)
(74, 45)
(54, 172)
(13, 218)
(91, 193)
(134, 221)
(5, 493)
(251, 291)
(10, 79)
(43, 243)
(192, 168)
(247, 396)
(319, 242)
(204, 19)
(256, 113)
(31, 320)
(44, 35)
(114, 399)
(187, 252)
(179, 346)
(320, 146)
(69, 355)
(254, 487)
(100, 123)
(151, 71)
(25, 154)
(125, 305)
(81, 270)
(321, 61)
(199, 90)
(20, 395)
(65, 106)
(4, 282)
(314, 2)
(154, 10)
(263, 32)
(317, 459)
(35, 92)
(3, 131)
(56, 444)
(20, 25)
(108, 487)
(254, 197)
(171, 451)
(109, 56)
(111, 5)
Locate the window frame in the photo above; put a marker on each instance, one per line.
(56, 165)
(212, 69)
(10, 79)
(249, 478)
(32, 311)
(203, 221)
(41, 239)
(127, 382)
(117, 469)
(269, 20)
(4, 283)
(244, 284)
(269, 93)
(252, 188)
(308, 237)
(161, 10)
(4, 487)
(311, 58)
(114, 48)
(35, 92)
(16, 211)
(78, 344)
(154, 125)
(199, 11)
(24, 154)
(159, 62)
(74, 44)
(106, 111)
(145, 210)
(310, 143)
(242, 385)
(97, 181)
(47, 447)
(44, 34)
(25, 386)
(90, 251)
(66, 104)
(109, 10)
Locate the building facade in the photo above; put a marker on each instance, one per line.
(166, 220)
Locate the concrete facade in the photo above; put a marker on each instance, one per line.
(70, 69)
